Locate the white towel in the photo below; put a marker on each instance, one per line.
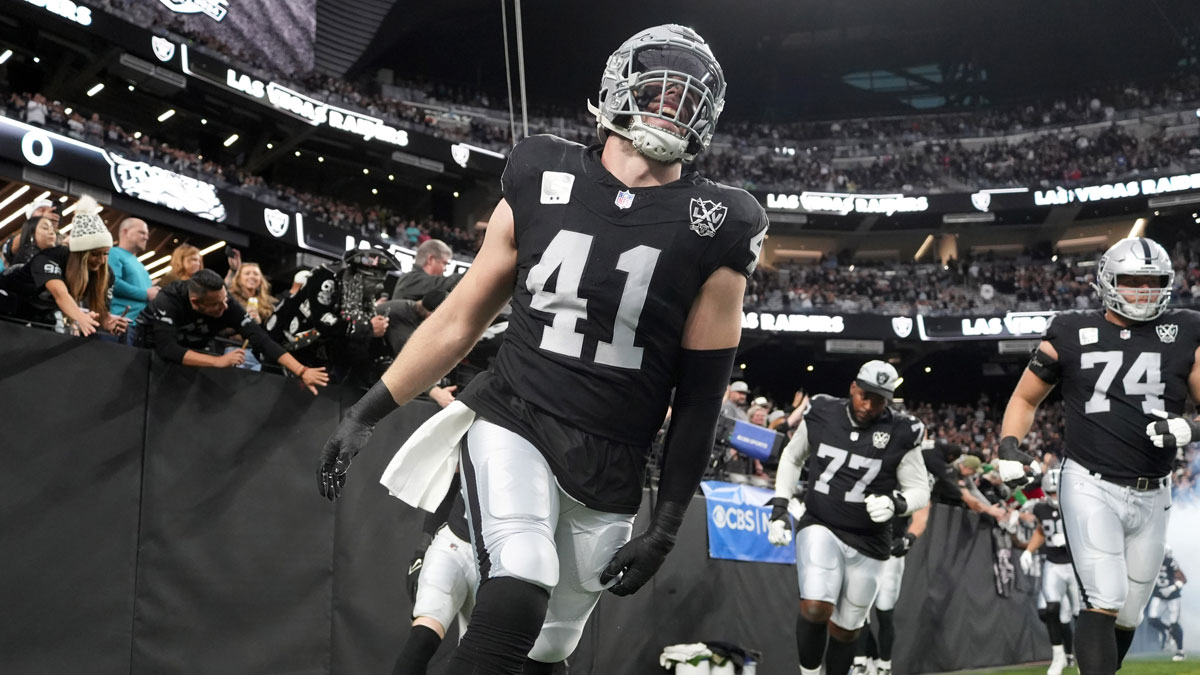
(685, 653)
(421, 471)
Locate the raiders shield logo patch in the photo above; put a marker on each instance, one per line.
(706, 216)
(461, 154)
(164, 49)
(902, 326)
(1167, 332)
(981, 200)
(277, 221)
(880, 439)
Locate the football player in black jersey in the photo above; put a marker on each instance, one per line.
(875, 655)
(625, 276)
(1059, 589)
(1164, 609)
(865, 469)
(1120, 369)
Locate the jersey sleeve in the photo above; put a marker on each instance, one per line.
(47, 266)
(1056, 329)
(742, 254)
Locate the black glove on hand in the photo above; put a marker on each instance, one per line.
(779, 508)
(414, 568)
(1010, 449)
(902, 545)
(639, 559)
(351, 436)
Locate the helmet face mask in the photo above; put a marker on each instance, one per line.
(662, 90)
(1138, 257)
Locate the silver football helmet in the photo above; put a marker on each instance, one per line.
(1141, 257)
(1051, 480)
(663, 90)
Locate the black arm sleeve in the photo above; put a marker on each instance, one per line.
(236, 318)
(435, 519)
(704, 375)
(166, 342)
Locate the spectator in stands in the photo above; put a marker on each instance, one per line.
(73, 279)
(253, 290)
(735, 398)
(427, 274)
(405, 315)
(132, 288)
(185, 317)
(36, 110)
(757, 415)
(36, 235)
(185, 261)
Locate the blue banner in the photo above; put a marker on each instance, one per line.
(737, 524)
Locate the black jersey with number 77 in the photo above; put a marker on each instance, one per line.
(606, 277)
(1113, 377)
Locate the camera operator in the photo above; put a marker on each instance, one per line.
(185, 316)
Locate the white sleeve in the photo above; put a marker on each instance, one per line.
(790, 463)
(914, 480)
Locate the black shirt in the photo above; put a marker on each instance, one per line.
(26, 284)
(1112, 378)
(1050, 518)
(1166, 577)
(413, 285)
(846, 463)
(172, 327)
(606, 276)
(945, 482)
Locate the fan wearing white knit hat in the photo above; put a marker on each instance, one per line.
(72, 278)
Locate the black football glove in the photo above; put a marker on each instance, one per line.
(902, 545)
(779, 532)
(1010, 449)
(350, 437)
(414, 568)
(641, 557)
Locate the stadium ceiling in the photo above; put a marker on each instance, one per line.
(806, 58)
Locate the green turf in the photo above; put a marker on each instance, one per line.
(1156, 665)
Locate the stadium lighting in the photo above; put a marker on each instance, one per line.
(366, 172)
(742, 366)
(203, 120)
(456, 194)
(167, 115)
(374, 191)
(321, 158)
(159, 273)
(96, 89)
(145, 256)
(270, 146)
(851, 267)
(14, 196)
(131, 87)
(231, 140)
(21, 211)
(209, 249)
(5, 56)
(137, 134)
(928, 369)
(62, 199)
(1054, 258)
(429, 187)
(37, 59)
(156, 263)
(297, 153)
(391, 176)
(809, 369)
(68, 111)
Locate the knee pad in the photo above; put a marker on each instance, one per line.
(531, 557)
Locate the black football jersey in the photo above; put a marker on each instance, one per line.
(1166, 577)
(606, 277)
(846, 463)
(1050, 519)
(1112, 377)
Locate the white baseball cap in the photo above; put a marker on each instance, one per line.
(740, 386)
(878, 377)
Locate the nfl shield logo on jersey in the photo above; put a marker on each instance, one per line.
(624, 199)
(902, 326)
(880, 439)
(707, 216)
(1167, 332)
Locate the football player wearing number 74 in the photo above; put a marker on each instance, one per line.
(625, 277)
(1126, 372)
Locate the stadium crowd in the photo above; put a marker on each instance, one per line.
(973, 285)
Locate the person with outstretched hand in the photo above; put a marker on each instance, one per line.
(625, 278)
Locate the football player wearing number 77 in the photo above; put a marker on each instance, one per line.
(1126, 374)
(865, 468)
(625, 277)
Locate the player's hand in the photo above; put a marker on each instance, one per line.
(641, 557)
(1010, 449)
(883, 508)
(779, 532)
(902, 545)
(1012, 472)
(347, 440)
(1026, 562)
(1172, 431)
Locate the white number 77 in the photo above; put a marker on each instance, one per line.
(837, 457)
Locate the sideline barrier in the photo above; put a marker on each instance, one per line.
(160, 519)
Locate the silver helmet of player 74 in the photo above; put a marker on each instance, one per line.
(663, 90)
(1135, 257)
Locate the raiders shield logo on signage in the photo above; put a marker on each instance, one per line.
(164, 49)
(880, 438)
(460, 154)
(706, 216)
(981, 200)
(277, 222)
(902, 326)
